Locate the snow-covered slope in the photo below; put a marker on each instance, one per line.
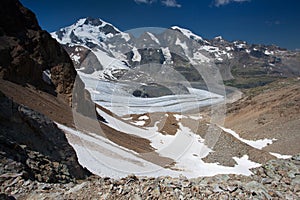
(105, 158)
(86, 31)
(116, 50)
(86, 39)
(190, 34)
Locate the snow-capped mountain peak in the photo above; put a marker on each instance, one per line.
(220, 38)
(189, 34)
(91, 31)
(98, 47)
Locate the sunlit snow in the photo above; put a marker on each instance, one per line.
(105, 158)
(277, 155)
(258, 144)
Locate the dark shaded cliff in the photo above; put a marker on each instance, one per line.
(28, 53)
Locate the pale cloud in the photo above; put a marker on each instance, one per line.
(144, 1)
(225, 2)
(273, 23)
(167, 3)
(170, 3)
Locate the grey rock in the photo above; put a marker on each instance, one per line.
(257, 189)
(296, 157)
(217, 189)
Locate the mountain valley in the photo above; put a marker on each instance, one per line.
(90, 111)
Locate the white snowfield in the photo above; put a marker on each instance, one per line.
(105, 158)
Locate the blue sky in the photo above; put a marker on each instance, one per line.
(255, 21)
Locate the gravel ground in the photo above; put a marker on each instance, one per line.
(277, 179)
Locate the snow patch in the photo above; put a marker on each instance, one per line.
(200, 57)
(138, 123)
(75, 58)
(277, 155)
(229, 48)
(198, 117)
(267, 52)
(153, 38)
(47, 76)
(181, 44)
(179, 117)
(188, 33)
(136, 55)
(125, 36)
(258, 144)
(167, 55)
(229, 55)
(143, 117)
(210, 49)
(240, 46)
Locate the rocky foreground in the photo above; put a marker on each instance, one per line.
(277, 179)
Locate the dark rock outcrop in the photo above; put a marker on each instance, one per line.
(34, 147)
(26, 52)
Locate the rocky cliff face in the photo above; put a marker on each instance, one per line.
(29, 54)
(33, 147)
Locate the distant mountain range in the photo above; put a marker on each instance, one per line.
(102, 50)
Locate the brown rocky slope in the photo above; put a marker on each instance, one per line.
(271, 111)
